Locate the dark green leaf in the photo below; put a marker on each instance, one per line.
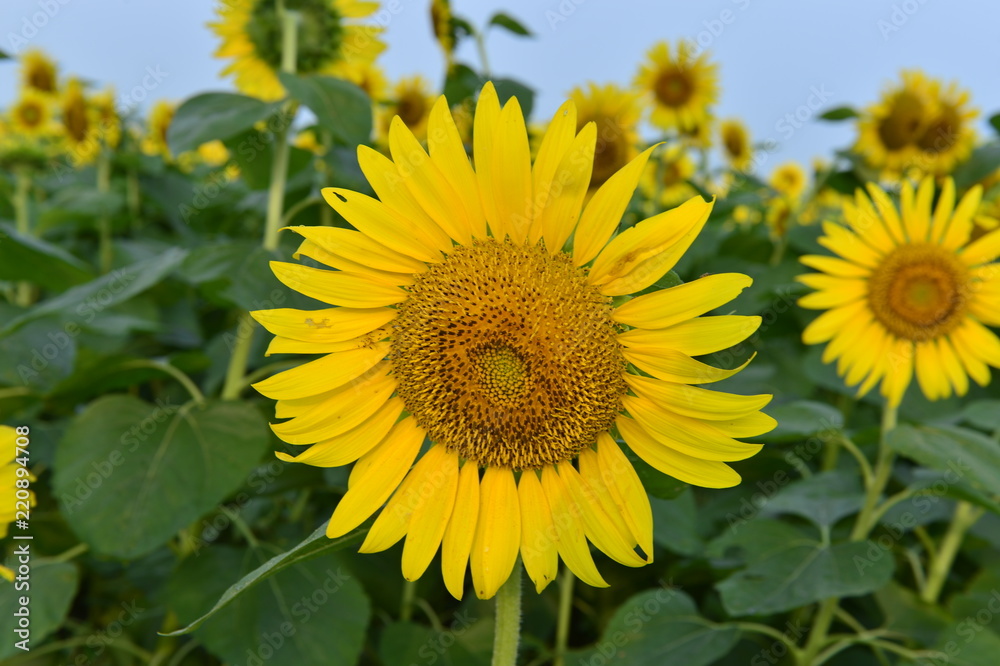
(675, 524)
(38, 355)
(995, 122)
(984, 160)
(966, 643)
(53, 586)
(983, 414)
(824, 498)
(803, 418)
(907, 614)
(32, 259)
(839, 113)
(210, 116)
(963, 455)
(507, 88)
(87, 301)
(659, 627)
(804, 574)
(341, 107)
(4, 56)
(173, 463)
(754, 540)
(461, 83)
(508, 22)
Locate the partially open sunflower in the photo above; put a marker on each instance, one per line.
(483, 355)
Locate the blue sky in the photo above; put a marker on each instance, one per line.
(775, 57)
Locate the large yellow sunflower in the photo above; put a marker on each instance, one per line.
(682, 86)
(38, 72)
(616, 113)
(31, 114)
(735, 140)
(480, 311)
(908, 294)
(330, 40)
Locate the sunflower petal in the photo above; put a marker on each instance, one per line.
(671, 306)
(336, 287)
(571, 542)
(323, 374)
(696, 471)
(538, 533)
(498, 532)
(461, 530)
(436, 490)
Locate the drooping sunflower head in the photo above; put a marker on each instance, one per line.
(483, 312)
(80, 129)
(735, 140)
(38, 72)
(615, 111)
(681, 86)
(330, 40)
(789, 179)
(411, 101)
(908, 293)
(443, 27)
(31, 114)
(154, 142)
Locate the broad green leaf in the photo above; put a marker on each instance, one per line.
(509, 23)
(341, 107)
(4, 56)
(963, 455)
(253, 152)
(675, 524)
(905, 613)
(84, 303)
(749, 541)
(173, 464)
(53, 586)
(985, 159)
(982, 593)
(995, 122)
(411, 643)
(461, 83)
(37, 261)
(217, 115)
(314, 545)
(804, 574)
(839, 113)
(507, 88)
(983, 414)
(658, 627)
(803, 418)
(966, 643)
(824, 498)
(315, 612)
(39, 354)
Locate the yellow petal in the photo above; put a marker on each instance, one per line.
(359, 247)
(845, 243)
(830, 322)
(394, 518)
(689, 469)
(673, 366)
(555, 144)
(323, 326)
(638, 257)
(918, 221)
(512, 173)
(538, 535)
(930, 373)
(314, 251)
(336, 287)
(834, 266)
(570, 541)
(436, 493)
(448, 152)
(461, 530)
(960, 227)
(696, 402)
(703, 335)
(556, 220)
(348, 446)
(982, 250)
(604, 212)
(685, 301)
(282, 345)
(943, 212)
(485, 122)
(385, 466)
(498, 532)
(323, 374)
(887, 212)
(952, 366)
(624, 487)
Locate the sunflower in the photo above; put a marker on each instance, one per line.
(908, 294)
(465, 316)
(80, 130)
(735, 140)
(444, 28)
(949, 136)
(155, 140)
(789, 179)
(889, 130)
(666, 180)
(616, 113)
(8, 485)
(330, 40)
(38, 72)
(682, 87)
(412, 100)
(109, 123)
(370, 78)
(31, 114)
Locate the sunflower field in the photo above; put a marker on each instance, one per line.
(328, 369)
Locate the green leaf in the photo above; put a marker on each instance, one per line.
(315, 612)
(982, 592)
(963, 455)
(839, 113)
(461, 83)
(824, 498)
(803, 418)
(984, 160)
(754, 540)
(675, 524)
(983, 414)
(4, 55)
(411, 643)
(966, 643)
(211, 116)
(38, 355)
(507, 88)
(995, 122)
(172, 463)
(905, 613)
(84, 303)
(341, 107)
(800, 575)
(53, 586)
(509, 23)
(28, 258)
(314, 545)
(659, 627)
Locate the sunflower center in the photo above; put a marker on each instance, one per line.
(941, 134)
(411, 108)
(610, 153)
(505, 354)
(320, 34)
(31, 115)
(673, 88)
(901, 126)
(919, 291)
(42, 78)
(734, 143)
(75, 118)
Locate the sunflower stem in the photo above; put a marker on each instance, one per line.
(507, 630)
(236, 370)
(176, 373)
(965, 517)
(565, 610)
(406, 605)
(104, 222)
(24, 294)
